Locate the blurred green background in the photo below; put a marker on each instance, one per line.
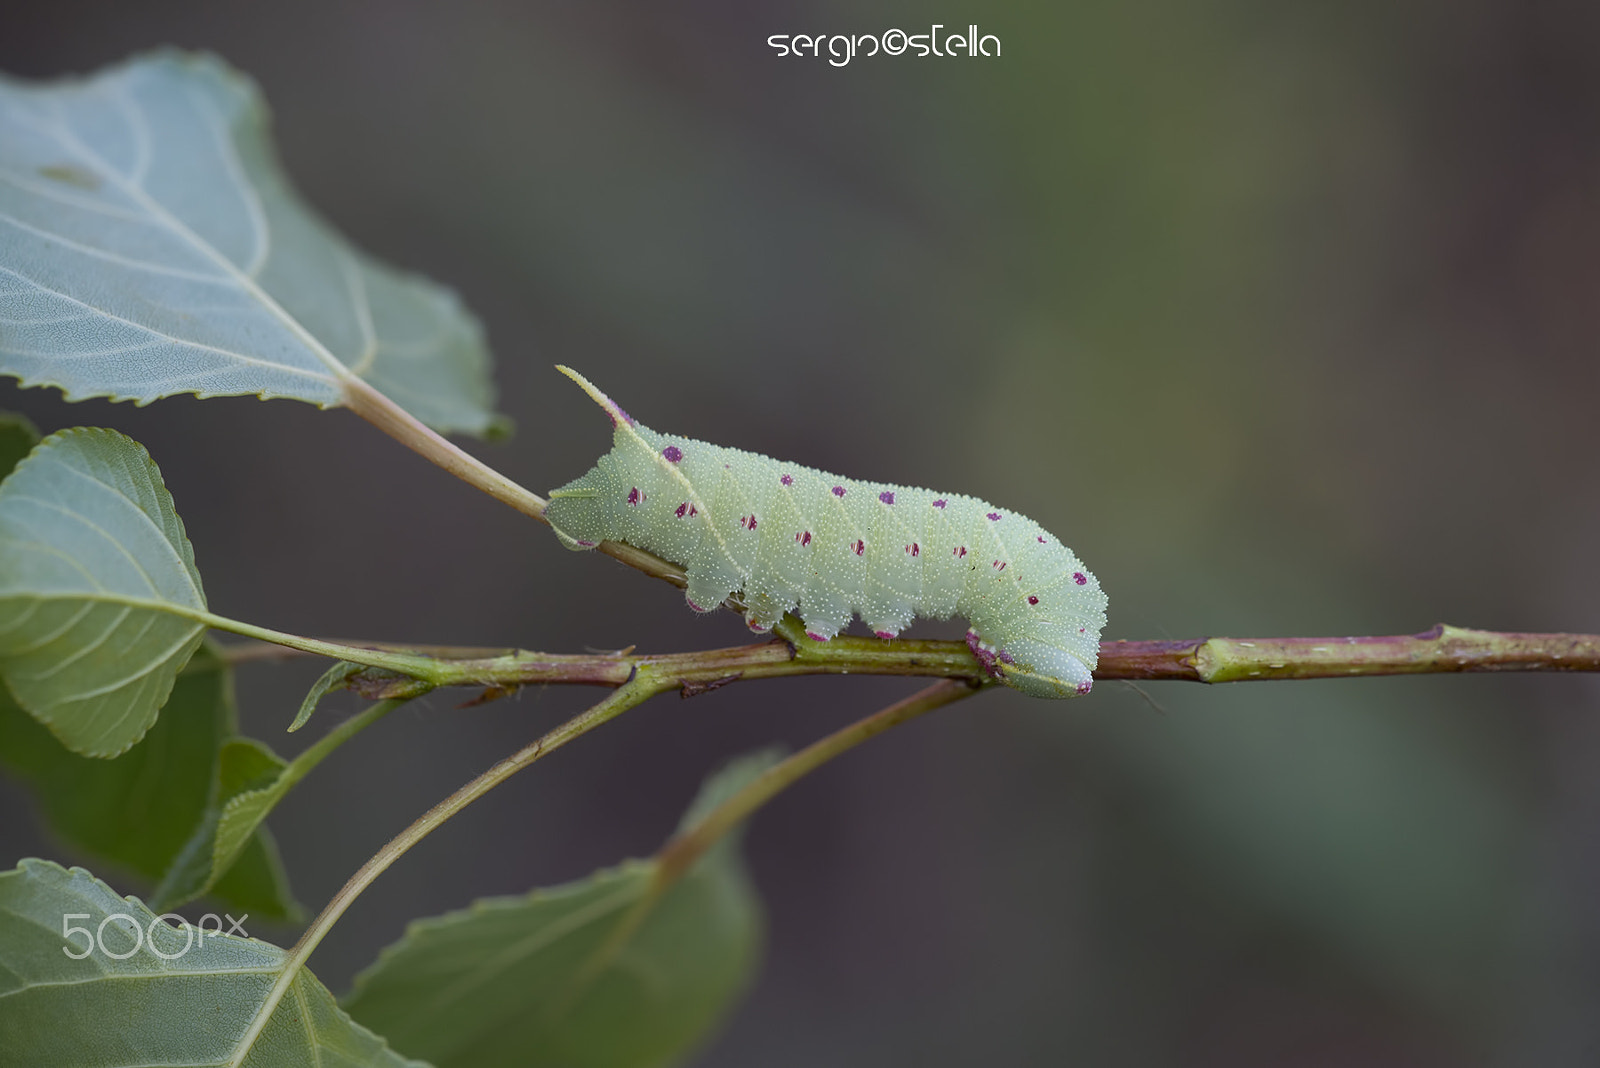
(1284, 316)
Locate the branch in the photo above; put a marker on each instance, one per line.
(1209, 660)
(1441, 649)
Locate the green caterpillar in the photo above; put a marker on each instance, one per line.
(791, 538)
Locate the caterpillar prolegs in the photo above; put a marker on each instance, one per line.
(792, 538)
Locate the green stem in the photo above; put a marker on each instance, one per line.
(426, 668)
(383, 413)
(679, 854)
(626, 697)
(301, 765)
(411, 432)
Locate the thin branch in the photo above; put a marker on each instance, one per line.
(684, 849)
(253, 651)
(615, 704)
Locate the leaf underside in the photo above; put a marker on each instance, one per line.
(199, 1008)
(150, 244)
(599, 973)
(100, 600)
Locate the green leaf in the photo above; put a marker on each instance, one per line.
(332, 679)
(150, 244)
(100, 601)
(250, 783)
(17, 437)
(608, 972)
(178, 998)
(252, 779)
(140, 809)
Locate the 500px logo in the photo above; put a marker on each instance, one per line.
(842, 48)
(128, 937)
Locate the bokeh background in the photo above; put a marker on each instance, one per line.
(1283, 315)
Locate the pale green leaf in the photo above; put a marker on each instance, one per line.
(178, 999)
(100, 601)
(150, 244)
(140, 809)
(332, 679)
(607, 972)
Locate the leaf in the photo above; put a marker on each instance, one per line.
(251, 782)
(218, 1001)
(332, 679)
(100, 601)
(150, 244)
(17, 436)
(140, 809)
(599, 973)
(252, 779)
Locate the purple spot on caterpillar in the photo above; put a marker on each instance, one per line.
(693, 511)
(633, 496)
(787, 480)
(805, 539)
(696, 607)
(994, 517)
(1005, 657)
(683, 510)
(886, 633)
(587, 544)
(672, 454)
(940, 503)
(838, 491)
(724, 467)
(1041, 539)
(757, 627)
(1077, 576)
(814, 636)
(860, 547)
(1085, 686)
(959, 551)
(1080, 630)
(999, 565)
(752, 522)
(1033, 600)
(914, 549)
(886, 497)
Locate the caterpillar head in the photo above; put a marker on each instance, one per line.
(577, 512)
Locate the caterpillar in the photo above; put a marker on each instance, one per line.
(791, 538)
